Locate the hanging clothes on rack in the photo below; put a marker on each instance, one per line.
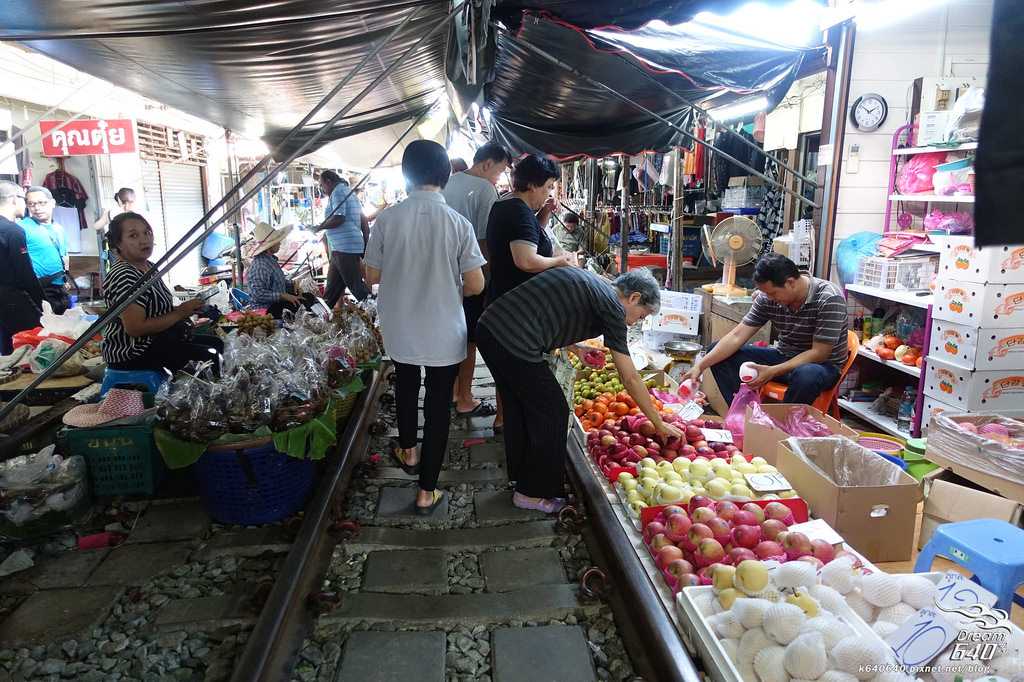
(769, 218)
(69, 194)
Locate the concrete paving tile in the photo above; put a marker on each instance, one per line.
(186, 520)
(249, 542)
(54, 615)
(206, 613)
(487, 455)
(71, 569)
(507, 570)
(391, 656)
(550, 653)
(406, 571)
(399, 503)
(497, 506)
(528, 534)
(135, 564)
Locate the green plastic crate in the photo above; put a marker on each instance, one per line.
(122, 460)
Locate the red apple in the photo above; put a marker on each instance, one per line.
(738, 554)
(709, 551)
(670, 454)
(698, 501)
(677, 528)
(771, 528)
(667, 555)
(658, 541)
(698, 532)
(653, 528)
(608, 439)
(744, 518)
(769, 549)
(705, 574)
(717, 446)
(689, 451)
(688, 580)
(698, 423)
(692, 433)
(727, 510)
(721, 529)
(703, 515)
(796, 545)
(705, 451)
(636, 439)
(671, 509)
(746, 536)
(777, 510)
(640, 451)
(700, 444)
(818, 563)
(646, 428)
(754, 509)
(822, 551)
(678, 568)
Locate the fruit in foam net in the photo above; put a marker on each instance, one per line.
(805, 602)
(751, 577)
(727, 598)
(722, 576)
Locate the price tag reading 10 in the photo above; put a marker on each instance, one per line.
(921, 638)
(954, 592)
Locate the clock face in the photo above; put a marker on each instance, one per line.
(869, 112)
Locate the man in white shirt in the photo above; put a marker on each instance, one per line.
(472, 193)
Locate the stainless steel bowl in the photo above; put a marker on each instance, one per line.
(681, 348)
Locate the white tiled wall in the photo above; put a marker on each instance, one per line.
(949, 40)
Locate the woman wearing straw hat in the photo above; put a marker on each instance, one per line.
(269, 286)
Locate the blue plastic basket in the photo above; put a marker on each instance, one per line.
(252, 483)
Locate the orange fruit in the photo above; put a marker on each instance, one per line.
(635, 411)
(578, 411)
(609, 421)
(587, 404)
(602, 399)
(620, 409)
(622, 397)
(601, 408)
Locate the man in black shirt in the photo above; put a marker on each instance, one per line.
(557, 309)
(21, 298)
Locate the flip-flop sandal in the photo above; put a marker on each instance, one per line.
(411, 469)
(482, 409)
(427, 511)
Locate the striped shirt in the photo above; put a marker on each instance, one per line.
(122, 280)
(554, 309)
(821, 318)
(267, 280)
(348, 236)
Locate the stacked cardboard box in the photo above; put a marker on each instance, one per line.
(976, 351)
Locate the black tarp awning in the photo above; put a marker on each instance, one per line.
(539, 107)
(257, 67)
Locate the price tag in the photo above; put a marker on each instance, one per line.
(818, 529)
(767, 483)
(717, 435)
(921, 638)
(956, 592)
(687, 410)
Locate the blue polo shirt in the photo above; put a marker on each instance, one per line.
(347, 237)
(47, 248)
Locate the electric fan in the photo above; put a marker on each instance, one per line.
(733, 242)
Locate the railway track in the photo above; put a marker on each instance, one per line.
(357, 587)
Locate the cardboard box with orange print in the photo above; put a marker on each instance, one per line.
(979, 305)
(977, 348)
(974, 390)
(960, 261)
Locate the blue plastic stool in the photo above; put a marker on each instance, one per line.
(991, 549)
(124, 377)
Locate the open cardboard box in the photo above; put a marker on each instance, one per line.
(878, 520)
(950, 498)
(763, 441)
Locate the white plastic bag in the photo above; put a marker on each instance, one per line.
(71, 323)
(965, 119)
(221, 299)
(47, 352)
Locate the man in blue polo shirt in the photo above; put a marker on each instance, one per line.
(47, 247)
(343, 225)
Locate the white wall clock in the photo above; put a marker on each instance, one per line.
(868, 112)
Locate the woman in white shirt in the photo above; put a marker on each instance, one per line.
(426, 259)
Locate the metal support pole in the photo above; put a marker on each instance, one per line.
(624, 225)
(155, 273)
(682, 131)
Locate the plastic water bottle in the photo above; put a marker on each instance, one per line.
(905, 414)
(747, 372)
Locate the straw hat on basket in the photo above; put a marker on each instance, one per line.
(265, 237)
(118, 404)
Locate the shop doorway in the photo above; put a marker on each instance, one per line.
(175, 202)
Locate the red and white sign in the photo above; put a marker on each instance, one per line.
(88, 137)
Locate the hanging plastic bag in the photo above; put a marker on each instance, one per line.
(71, 324)
(916, 174)
(966, 117)
(737, 413)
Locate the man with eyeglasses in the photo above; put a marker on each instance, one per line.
(21, 297)
(47, 247)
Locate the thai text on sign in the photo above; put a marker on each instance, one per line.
(88, 137)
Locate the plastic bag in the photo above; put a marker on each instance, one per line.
(47, 352)
(851, 251)
(845, 463)
(966, 116)
(916, 174)
(798, 422)
(71, 323)
(737, 414)
(950, 223)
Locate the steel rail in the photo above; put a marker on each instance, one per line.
(151, 277)
(657, 633)
(282, 622)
